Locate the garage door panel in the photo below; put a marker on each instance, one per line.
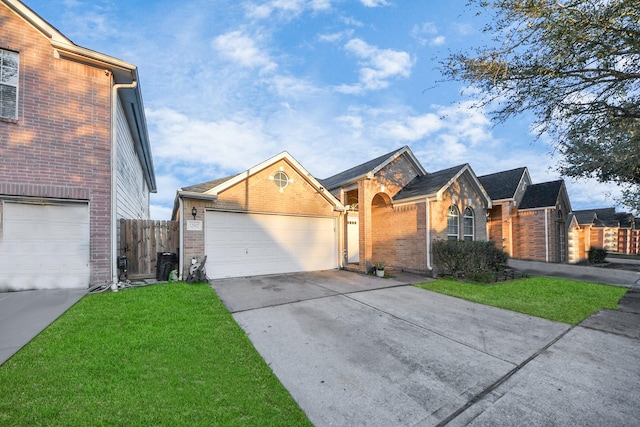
(251, 244)
(44, 246)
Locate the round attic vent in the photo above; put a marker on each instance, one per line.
(281, 179)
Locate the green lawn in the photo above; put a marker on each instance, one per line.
(163, 355)
(566, 301)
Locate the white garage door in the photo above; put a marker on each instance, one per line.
(238, 244)
(44, 246)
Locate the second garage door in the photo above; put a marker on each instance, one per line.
(240, 244)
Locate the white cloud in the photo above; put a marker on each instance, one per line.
(288, 9)
(335, 37)
(437, 41)
(243, 50)
(378, 66)
(179, 139)
(374, 3)
(427, 33)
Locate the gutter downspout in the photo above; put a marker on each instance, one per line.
(181, 258)
(546, 235)
(114, 175)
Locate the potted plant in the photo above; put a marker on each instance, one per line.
(380, 269)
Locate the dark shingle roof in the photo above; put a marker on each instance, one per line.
(541, 195)
(502, 185)
(585, 216)
(206, 186)
(428, 184)
(604, 217)
(356, 171)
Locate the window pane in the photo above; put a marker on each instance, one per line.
(9, 68)
(452, 223)
(468, 224)
(8, 102)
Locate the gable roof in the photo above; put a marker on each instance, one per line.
(211, 189)
(604, 217)
(585, 217)
(503, 185)
(122, 72)
(542, 195)
(369, 168)
(434, 184)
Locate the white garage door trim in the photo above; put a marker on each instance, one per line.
(44, 245)
(250, 244)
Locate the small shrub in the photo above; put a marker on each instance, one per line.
(597, 255)
(477, 261)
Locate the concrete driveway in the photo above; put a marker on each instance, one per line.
(359, 350)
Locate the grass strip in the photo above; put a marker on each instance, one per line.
(562, 300)
(162, 355)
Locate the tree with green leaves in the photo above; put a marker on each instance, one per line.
(574, 64)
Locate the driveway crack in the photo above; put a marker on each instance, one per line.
(482, 394)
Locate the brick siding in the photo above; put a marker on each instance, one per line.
(60, 145)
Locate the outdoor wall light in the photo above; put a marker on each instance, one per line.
(194, 212)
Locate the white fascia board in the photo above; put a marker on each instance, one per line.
(195, 195)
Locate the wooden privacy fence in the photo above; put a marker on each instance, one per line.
(141, 240)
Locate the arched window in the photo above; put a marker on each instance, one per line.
(453, 219)
(469, 227)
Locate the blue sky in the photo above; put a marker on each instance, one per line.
(228, 84)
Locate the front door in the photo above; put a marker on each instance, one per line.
(353, 238)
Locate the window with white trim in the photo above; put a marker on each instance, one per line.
(469, 227)
(453, 219)
(9, 66)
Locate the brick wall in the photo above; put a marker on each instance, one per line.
(60, 144)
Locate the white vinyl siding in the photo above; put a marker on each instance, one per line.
(44, 246)
(9, 73)
(132, 190)
(240, 244)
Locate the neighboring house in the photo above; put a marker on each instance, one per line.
(529, 221)
(75, 156)
(604, 229)
(401, 209)
(277, 218)
(273, 218)
(506, 190)
(542, 222)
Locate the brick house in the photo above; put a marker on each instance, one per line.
(529, 221)
(401, 209)
(272, 218)
(276, 217)
(602, 228)
(75, 156)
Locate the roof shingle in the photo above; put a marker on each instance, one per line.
(541, 195)
(428, 184)
(502, 185)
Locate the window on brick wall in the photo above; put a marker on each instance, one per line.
(453, 220)
(469, 228)
(9, 84)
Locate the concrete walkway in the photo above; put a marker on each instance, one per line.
(358, 350)
(25, 314)
(585, 273)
